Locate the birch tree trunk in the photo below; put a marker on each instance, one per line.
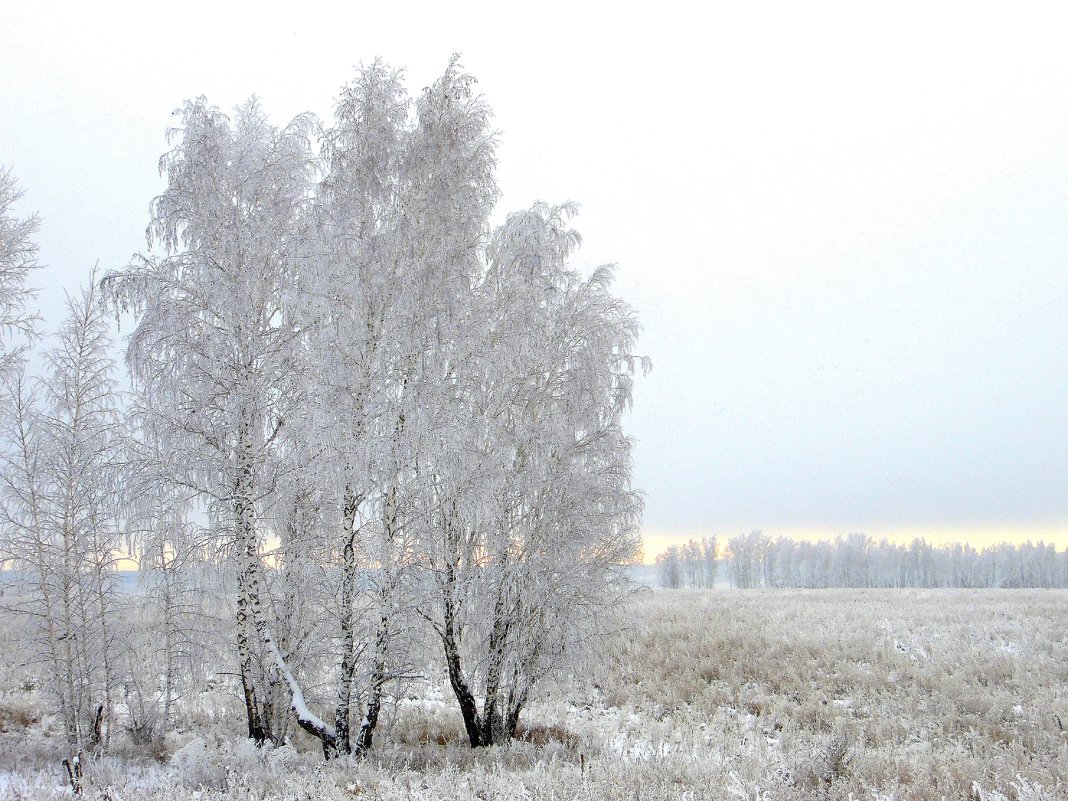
(256, 695)
(342, 710)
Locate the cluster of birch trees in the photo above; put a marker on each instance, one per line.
(380, 420)
(692, 565)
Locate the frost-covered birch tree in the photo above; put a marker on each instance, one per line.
(214, 350)
(361, 290)
(534, 513)
(62, 510)
(18, 256)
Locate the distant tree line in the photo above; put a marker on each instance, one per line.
(857, 560)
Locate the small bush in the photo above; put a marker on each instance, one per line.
(17, 715)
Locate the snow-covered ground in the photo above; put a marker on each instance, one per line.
(744, 695)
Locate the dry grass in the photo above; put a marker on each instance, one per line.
(916, 694)
(895, 694)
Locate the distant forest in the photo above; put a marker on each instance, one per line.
(757, 560)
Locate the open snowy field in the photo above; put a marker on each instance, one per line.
(894, 694)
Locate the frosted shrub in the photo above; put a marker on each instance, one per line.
(200, 764)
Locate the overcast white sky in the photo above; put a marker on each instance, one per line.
(845, 230)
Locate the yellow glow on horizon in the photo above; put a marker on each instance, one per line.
(656, 541)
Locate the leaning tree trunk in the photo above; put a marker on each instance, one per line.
(306, 719)
(280, 670)
(252, 617)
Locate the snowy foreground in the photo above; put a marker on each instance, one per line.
(858, 694)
